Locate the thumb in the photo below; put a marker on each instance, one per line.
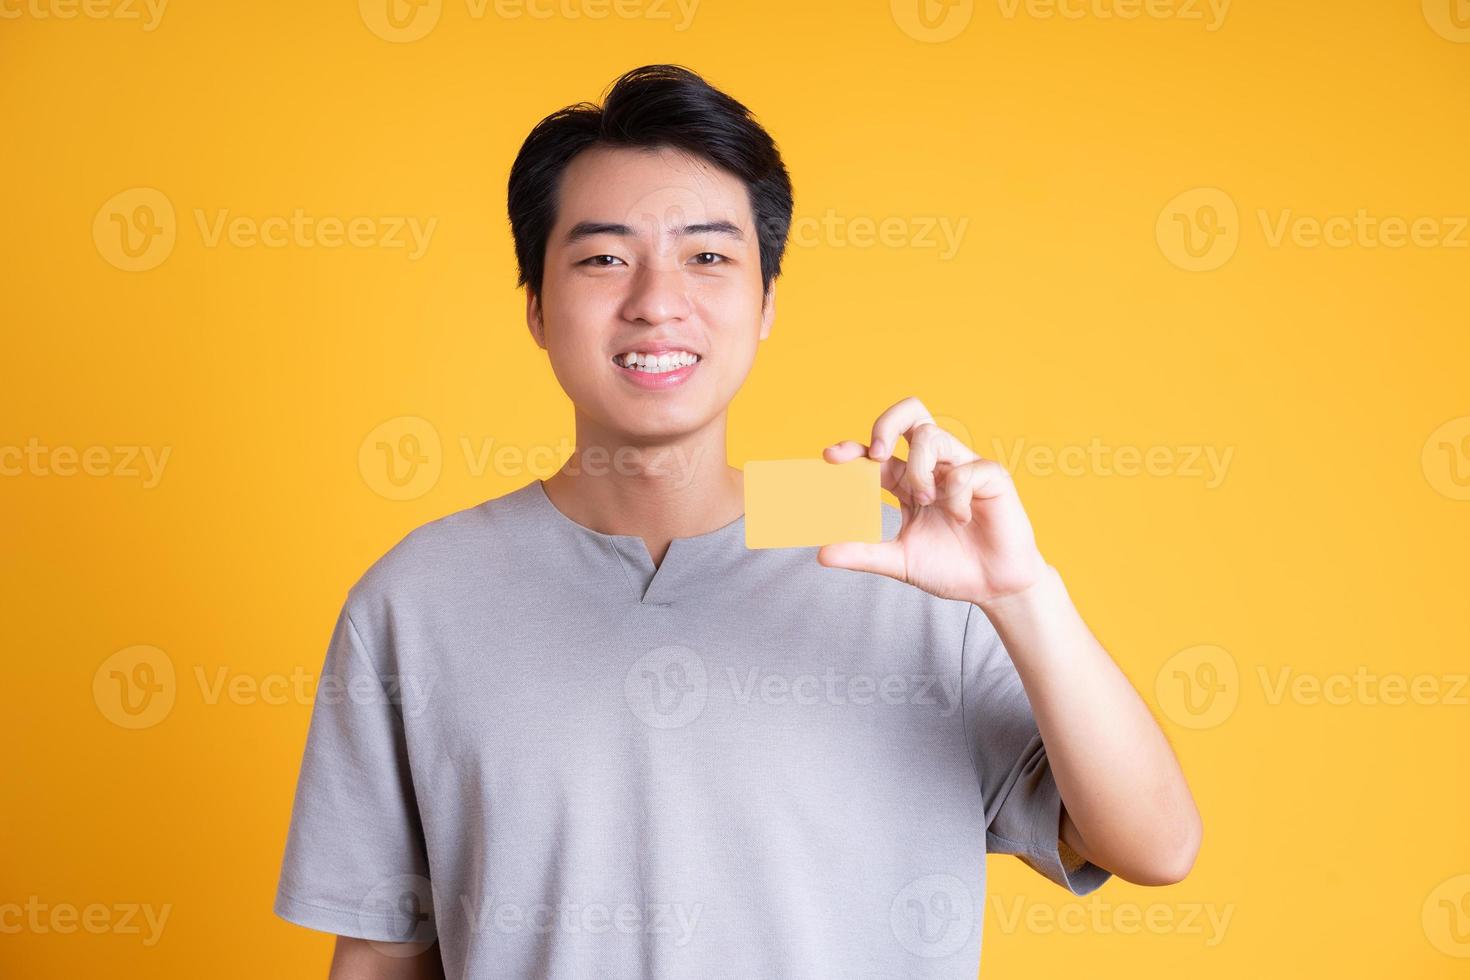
(883, 558)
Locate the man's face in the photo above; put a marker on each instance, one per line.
(652, 251)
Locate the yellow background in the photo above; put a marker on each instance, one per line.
(1334, 544)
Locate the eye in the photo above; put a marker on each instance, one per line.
(596, 261)
(709, 258)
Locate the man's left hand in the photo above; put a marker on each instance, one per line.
(964, 535)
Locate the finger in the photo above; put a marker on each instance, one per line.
(982, 478)
(956, 492)
(933, 452)
(896, 422)
(884, 558)
(890, 470)
(841, 452)
(948, 447)
(919, 475)
(908, 419)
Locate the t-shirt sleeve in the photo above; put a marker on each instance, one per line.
(355, 861)
(1023, 807)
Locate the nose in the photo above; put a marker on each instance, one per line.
(657, 295)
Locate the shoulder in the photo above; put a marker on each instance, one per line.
(440, 557)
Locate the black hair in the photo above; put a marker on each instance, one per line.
(652, 107)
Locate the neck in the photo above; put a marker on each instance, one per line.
(658, 488)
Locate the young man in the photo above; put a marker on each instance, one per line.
(581, 731)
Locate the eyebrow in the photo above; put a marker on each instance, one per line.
(588, 229)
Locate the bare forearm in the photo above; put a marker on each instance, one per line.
(1119, 779)
(359, 959)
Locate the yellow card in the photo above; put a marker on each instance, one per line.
(800, 503)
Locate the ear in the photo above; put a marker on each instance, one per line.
(768, 311)
(534, 320)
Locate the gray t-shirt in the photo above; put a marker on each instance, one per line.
(561, 762)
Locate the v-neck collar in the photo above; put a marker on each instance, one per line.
(650, 585)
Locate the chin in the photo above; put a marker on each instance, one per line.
(640, 428)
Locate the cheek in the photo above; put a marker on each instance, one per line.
(727, 304)
(577, 315)
(577, 361)
(573, 341)
(577, 297)
(732, 317)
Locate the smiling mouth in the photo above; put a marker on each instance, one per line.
(662, 363)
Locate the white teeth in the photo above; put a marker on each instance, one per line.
(656, 363)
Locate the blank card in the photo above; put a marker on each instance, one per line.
(800, 503)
